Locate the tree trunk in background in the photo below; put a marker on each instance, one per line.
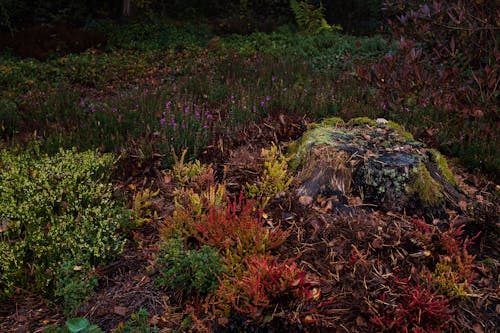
(126, 8)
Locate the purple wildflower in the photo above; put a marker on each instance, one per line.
(172, 121)
(205, 126)
(254, 108)
(268, 98)
(168, 104)
(163, 121)
(273, 78)
(262, 103)
(186, 109)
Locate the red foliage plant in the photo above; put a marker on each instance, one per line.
(446, 69)
(415, 309)
(265, 282)
(454, 269)
(239, 230)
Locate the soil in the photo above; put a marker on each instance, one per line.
(354, 253)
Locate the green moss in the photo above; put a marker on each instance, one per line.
(443, 167)
(334, 121)
(425, 187)
(361, 121)
(297, 151)
(407, 136)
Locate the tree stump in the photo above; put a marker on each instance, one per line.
(376, 160)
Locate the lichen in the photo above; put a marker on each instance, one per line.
(442, 166)
(425, 187)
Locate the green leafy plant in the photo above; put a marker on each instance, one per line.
(193, 271)
(138, 323)
(55, 209)
(74, 325)
(74, 284)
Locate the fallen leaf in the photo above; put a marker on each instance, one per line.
(360, 321)
(477, 328)
(377, 243)
(154, 320)
(305, 200)
(120, 310)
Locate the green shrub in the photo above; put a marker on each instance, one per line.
(189, 270)
(56, 211)
(138, 323)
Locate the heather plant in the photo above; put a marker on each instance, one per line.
(141, 204)
(415, 309)
(453, 270)
(198, 204)
(56, 210)
(184, 171)
(263, 281)
(238, 231)
(275, 178)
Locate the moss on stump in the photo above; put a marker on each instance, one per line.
(376, 160)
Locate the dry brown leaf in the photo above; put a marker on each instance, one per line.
(305, 200)
(120, 310)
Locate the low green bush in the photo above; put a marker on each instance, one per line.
(58, 220)
(192, 271)
(138, 323)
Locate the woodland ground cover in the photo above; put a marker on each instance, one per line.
(216, 242)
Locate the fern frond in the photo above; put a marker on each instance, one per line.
(309, 18)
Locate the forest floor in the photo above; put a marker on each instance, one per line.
(358, 255)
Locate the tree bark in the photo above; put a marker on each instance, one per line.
(126, 8)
